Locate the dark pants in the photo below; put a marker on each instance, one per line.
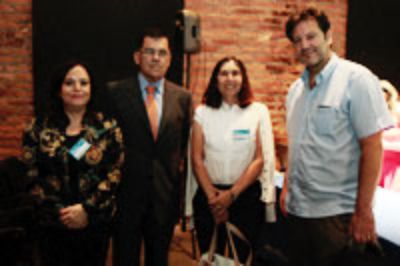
(319, 241)
(247, 213)
(73, 247)
(128, 237)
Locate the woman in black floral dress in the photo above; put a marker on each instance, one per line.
(74, 155)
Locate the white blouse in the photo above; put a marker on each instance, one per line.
(229, 139)
(229, 146)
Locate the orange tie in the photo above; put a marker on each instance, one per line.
(152, 110)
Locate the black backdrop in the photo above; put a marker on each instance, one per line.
(373, 37)
(101, 32)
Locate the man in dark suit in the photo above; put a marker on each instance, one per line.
(155, 125)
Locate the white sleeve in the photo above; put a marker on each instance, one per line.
(267, 176)
(199, 114)
(191, 182)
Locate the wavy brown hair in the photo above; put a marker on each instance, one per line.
(213, 98)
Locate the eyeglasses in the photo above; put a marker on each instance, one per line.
(153, 52)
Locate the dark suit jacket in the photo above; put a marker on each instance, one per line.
(151, 172)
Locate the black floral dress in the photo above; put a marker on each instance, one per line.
(60, 179)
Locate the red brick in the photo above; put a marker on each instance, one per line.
(24, 8)
(6, 152)
(16, 101)
(5, 7)
(18, 2)
(247, 11)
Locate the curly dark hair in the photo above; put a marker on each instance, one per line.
(213, 98)
(306, 14)
(55, 104)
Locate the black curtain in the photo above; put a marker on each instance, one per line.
(101, 32)
(373, 37)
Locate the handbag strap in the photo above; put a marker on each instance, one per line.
(213, 245)
(230, 230)
(232, 244)
(233, 230)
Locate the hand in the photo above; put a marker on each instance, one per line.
(211, 195)
(362, 227)
(224, 198)
(221, 216)
(219, 205)
(74, 217)
(219, 212)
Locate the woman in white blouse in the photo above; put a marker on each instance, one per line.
(232, 158)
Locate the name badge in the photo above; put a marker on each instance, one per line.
(241, 134)
(79, 149)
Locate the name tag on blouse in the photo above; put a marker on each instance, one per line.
(241, 134)
(79, 149)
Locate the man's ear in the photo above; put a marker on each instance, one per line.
(136, 57)
(328, 37)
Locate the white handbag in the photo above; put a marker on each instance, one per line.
(211, 258)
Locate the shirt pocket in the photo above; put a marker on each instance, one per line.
(324, 119)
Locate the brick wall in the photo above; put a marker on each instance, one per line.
(253, 30)
(249, 29)
(16, 104)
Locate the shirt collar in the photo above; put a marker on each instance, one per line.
(227, 107)
(144, 83)
(324, 73)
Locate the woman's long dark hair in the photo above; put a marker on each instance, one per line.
(213, 98)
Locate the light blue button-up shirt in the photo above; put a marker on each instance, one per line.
(324, 127)
(158, 94)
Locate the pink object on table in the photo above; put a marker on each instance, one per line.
(390, 176)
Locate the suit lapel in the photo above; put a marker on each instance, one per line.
(134, 100)
(167, 109)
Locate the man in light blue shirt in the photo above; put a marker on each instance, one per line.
(335, 117)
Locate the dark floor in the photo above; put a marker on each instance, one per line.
(181, 249)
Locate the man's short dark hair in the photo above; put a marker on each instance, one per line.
(152, 32)
(306, 14)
